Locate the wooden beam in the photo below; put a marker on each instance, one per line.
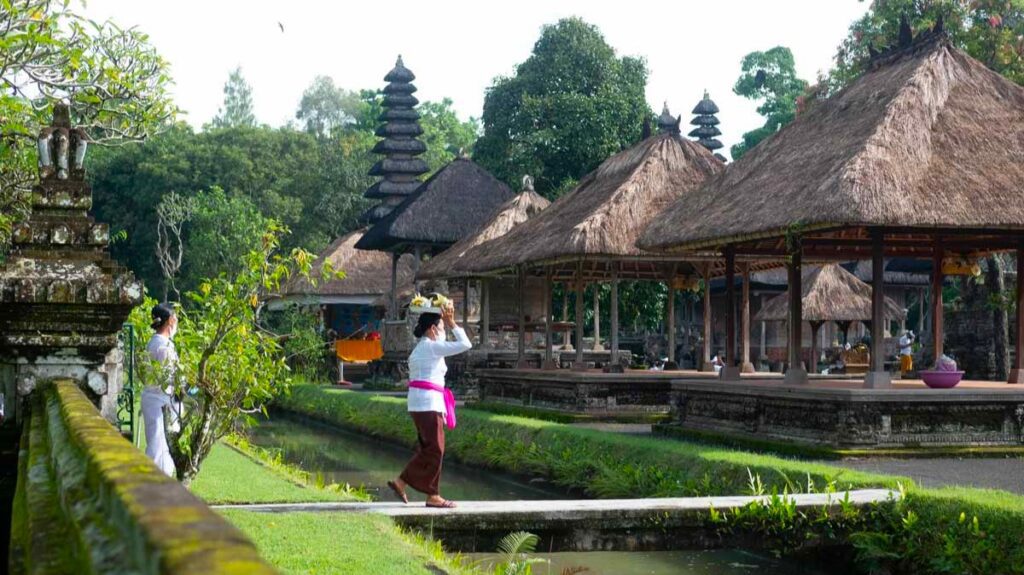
(877, 377)
(671, 320)
(578, 364)
(521, 362)
(796, 374)
(1017, 373)
(485, 313)
(549, 317)
(937, 319)
(614, 335)
(597, 316)
(731, 370)
(746, 366)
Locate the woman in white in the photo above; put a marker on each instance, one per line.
(156, 398)
(431, 405)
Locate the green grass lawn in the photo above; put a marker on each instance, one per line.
(227, 476)
(333, 543)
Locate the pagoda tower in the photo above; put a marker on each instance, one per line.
(667, 122)
(400, 168)
(707, 125)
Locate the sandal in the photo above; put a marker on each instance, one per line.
(399, 492)
(445, 504)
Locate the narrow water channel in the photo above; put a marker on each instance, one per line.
(709, 562)
(345, 457)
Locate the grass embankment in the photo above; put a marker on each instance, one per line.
(599, 463)
(310, 542)
(950, 530)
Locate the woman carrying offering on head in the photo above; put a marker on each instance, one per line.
(431, 404)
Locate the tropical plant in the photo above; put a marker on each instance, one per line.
(515, 549)
(228, 367)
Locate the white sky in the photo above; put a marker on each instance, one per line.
(457, 48)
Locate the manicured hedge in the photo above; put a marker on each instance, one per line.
(597, 463)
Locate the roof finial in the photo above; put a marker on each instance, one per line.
(706, 123)
(666, 121)
(528, 183)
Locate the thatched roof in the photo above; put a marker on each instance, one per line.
(516, 211)
(456, 200)
(603, 215)
(928, 138)
(830, 293)
(367, 273)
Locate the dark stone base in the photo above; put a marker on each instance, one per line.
(852, 418)
(574, 392)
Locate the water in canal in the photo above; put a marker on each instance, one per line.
(345, 457)
(711, 562)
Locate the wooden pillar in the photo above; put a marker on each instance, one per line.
(764, 335)
(393, 307)
(485, 314)
(597, 317)
(815, 328)
(796, 374)
(578, 365)
(731, 369)
(671, 320)
(937, 327)
(706, 363)
(1017, 372)
(549, 316)
(877, 376)
(613, 336)
(567, 334)
(521, 362)
(746, 366)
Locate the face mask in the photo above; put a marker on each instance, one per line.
(174, 330)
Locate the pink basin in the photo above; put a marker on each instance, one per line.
(941, 379)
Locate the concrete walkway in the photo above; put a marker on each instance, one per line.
(571, 509)
(1005, 473)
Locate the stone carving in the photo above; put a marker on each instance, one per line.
(62, 298)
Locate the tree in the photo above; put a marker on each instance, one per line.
(568, 107)
(172, 213)
(237, 109)
(325, 108)
(113, 79)
(768, 77)
(991, 31)
(223, 228)
(228, 366)
(444, 133)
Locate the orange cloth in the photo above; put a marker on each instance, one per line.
(906, 363)
(358, 350)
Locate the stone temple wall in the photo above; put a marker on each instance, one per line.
(89, 502)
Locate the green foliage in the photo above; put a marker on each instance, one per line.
(444, 133)
(515, 549)
(304, 346)
(228, 366)
(598, 463)
(114, 80)
(222, 230)
(569, 106)
(237, 111)
(326, 108)
(989, 30)
(770, 78)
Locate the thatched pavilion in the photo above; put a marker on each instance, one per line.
(449, 264)
(590, 234)
(920, 157)
(830, 293)
(367, 278)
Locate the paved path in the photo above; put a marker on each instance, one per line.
(994, 473)
(571, 509)
(627, 428)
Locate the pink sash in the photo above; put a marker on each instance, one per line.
(449, 399)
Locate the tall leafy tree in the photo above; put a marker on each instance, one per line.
(114, 80)
(567, 108)
(991, 31)
(770, 78)
(325, 108)
(237, 110)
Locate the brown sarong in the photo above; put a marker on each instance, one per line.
(423, 472)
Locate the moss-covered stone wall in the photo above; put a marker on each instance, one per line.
(89, 502)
